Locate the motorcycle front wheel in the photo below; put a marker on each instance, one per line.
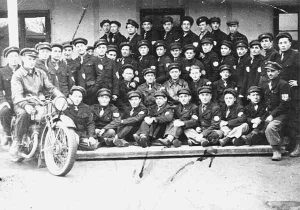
(60, 149)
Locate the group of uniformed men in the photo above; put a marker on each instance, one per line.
(162, 88)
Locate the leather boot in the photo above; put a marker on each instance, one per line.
(276, 153)
(224, 141)
(296, 151)
(121, 142)
(176, 143)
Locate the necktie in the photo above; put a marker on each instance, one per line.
(81, 59)
(255, 107)
(270, 85)
(145, 34)
(131, 112)
(203, 108)
(239, 60)
(225, 84)
(282, 56)
(101, 112)
(141, 58)
(113, 38)
(150, 86)
(227, 113)
(165, 36)
(75, 108)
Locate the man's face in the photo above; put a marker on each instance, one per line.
(176, 53)
(56, 53)
(229, 99)
(28, 61)
(225, 50)
(189, 54)
(160, 51)
(241, 51)
(225, 74)
(76, 97)
(90, 52)
(255, 50)
(284, 44)
(13, 58)
(205, 98)
(150, 78)
(233, 28)
(114, 28)
(131, 29)
(147, 26)
(168, 26)
(272, 74)
(112, 55)
(202, 26)
(135, 101)
(101, 49)
(128, 74)
(44, 54)
(160, 101)
(174, 74)
(254, 97)
(195, 74)
(103, 100)
(206, 47)
(125, 51)
(143, 50)
(68, 52)
(215, 26)
(266, 43)
(106, 27)
(81, 48)
(184, 99)
(186, 26)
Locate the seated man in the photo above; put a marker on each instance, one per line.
(233, 120)
(106, 116)
(256, 113)
(131, 119)
(27, 80)
(184, 118)
(208, 118)
(154, 124)
(82, 116)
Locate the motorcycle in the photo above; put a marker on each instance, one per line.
(51, 137)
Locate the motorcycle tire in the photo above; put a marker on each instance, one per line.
(51, 158)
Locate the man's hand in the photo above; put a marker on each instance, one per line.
(223, 123)
(99, 132)
(269, 118)
(256, 121)
(148, 120)
(293, 83)
(132, 84)
(29, 109)
(137, 79)
(114, 97)
(198, 130)
(178, 123)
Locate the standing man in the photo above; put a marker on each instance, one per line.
(133, 37)
(202, 23)
(44, 51)
(105, 25)
(116, 38)
(217, 35)
(234, 35)
(188, 37)
(148, 32)
(169, 35)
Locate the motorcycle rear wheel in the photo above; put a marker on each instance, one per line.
(60, 149)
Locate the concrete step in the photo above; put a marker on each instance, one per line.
(160, 151)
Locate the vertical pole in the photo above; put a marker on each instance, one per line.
(13, 31)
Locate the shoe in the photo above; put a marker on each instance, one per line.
(224, 141)
(165, 141)
(246, 139)
(190, 142)
(204, 142)
(144, 142)
(176, 143)
(296, 151)
(136, 138)
(214, 141)
(276, 153)
(109, 142)
(237, 142)
(121, 142)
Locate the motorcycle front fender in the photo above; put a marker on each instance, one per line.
(65, 120)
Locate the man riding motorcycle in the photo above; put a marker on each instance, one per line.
(27, 81)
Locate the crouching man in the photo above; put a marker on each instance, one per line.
(154, 124)
(82, 116)
(106, 117)
(209, 117)
(233, 120)
(185, 117)
(131, 119)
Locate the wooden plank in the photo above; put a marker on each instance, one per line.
(159, 151)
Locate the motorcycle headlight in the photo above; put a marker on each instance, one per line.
(60, 103)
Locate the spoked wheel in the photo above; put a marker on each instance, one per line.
(60, 149)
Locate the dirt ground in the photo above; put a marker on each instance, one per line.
(175, 183)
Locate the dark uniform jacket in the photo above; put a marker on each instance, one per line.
(186, 66)
(219, 87)
(147, 61)
(162, 73)
(134, 117)
(133, 44)
(171, 36)
(229, 60)
(152, 35)
(251, 113)
(127, 60)
(148, 92)
(207, 34)
(195, 85)
(278, 97)
(124, 89)
(236, 116)
(218, 36)
(238, 73)
(236, 37)
(270, 55)
(41, 64)
(107, 37)
(189, 38)
(209, 119)
(211, 65)
(116, 39)
(187, 114)
(5, 86)
(109, 119)
(83, 118)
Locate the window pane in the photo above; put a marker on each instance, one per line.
(288, 21)
(34, 31)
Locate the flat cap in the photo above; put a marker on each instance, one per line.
(230, 91)
(256, 89)
(174, 66)
(112, 47)
(124, 44)
(116, 23)
(284, 35)
(189, 47)
(225, 67)
(43, 45)
(100, 42)
(207, 40)
(241, 43)
(29, 52)
(254, 42)
(78, 88)
(265, 36)
(204, 89)
(149, 70)
(10, 49)
(143, 42)
(57, 45)
(103, 22)
(133, 23)
(127, 66)
(232, 22)
(187, 18)
(79, 40)
(175, 45)
(104, 92)
(202, 19)
(215, 19)
(160, 93)
(227, 43)
(159, 43)
(147, 19)
(184, 91)
(273, 66)
(134, 93)
(167, 19)
(67, 44)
